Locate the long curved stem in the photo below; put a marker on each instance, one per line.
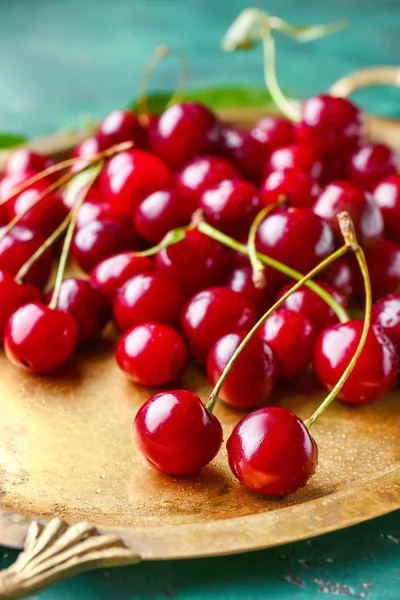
(288, 109)
(257, 266)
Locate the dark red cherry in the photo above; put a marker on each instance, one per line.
(120, 126)
(375, 371)
(231, 206)
(25, 159)
(200, 174)
(330, 125)
(252, 378)
(195, 262)
(111, 273)
(129, 177)
(100, 239)
(175, 433)
(295, 156)
(182, 132)
(151, 354)
(340, 276)
(371, 163)
(341, 196)
(387, 196)
(296, 187)
(274, 133)
(87, 305)
(40, 339)
(333, 168)
(383, 260)
(43, 215)
(159, 213)
(241, 280)
(148, 297)
(246, 152)
(3, 215)
(386, 314)
(212, 313)
(12, 296)
(272, 452)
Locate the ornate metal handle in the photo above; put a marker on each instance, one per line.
(365, 78)
(56, 551)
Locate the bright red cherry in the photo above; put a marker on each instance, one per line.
(340, 276)
(25, 159)
(383, 260)
(387, 196)
(330, 125)
(386, 314)
(296, 187)
(295, 156)
(341, 196)
(200, 174)
(245, 151)
(9, 182)
(151, 354)
(43, 216)
(93, 211)
(85, 149)
(272, 452)
(371, 163)
(40, 339)
(111, 273)
(175, 433)
(375, 371)
(274, 132)
(159, 213)
(120, 126)
(148, 297)
(129, 177)
(252, 378)
(12, 296)
(241, 280)
(182, 132)
(212, 313)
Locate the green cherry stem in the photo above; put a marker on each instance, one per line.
(257, 266)
(172, 237)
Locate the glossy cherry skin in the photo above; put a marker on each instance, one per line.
(120, 126)
(12, 296)
(129, 177)
(25, 159)
(296, 187)
(111, 273)
(100, 239)
(9, 182)
(386, 314)
(371, 163)
(43, 215)
(200, 174)
(159, 213)
(246, 152)
(295, 156)
(196, 262)
(383, 260)
(330, 125)
(252, 378)
(40, 339)
(339, 196)
(307, 303)
(93, 211)
(376, 369)
(284, 331)
(86, 149)
(241, 280)
(3, 215)
(148, 297)
(274, 133)
(231, 206)
(151, 354)
(175, 433)
(182, 132)
(212, 313)
(272, 452)
(17, 247)
(387, 196)
(340, 276)
(87, 305)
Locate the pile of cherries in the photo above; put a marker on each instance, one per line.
(179, 290)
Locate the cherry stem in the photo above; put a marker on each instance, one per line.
(257, 266)
(327, 261)
(348, 233)
(172, 237)
(224, 239)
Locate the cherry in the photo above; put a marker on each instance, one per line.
(200, 174)
(40, 339)
(340, 276)
(182, 132)
(370, 163)
(284, 332)
(111, 273)
(43, 215)
(100, 239)
(12, 296)
(252, 378)
(386, 314)
(151, 354)
(93, 211)
(175, 433)
(333, 168)
(10, 182)
(272, 452)
(85, 149)
(25, 159)
(212, 313)
(120, 126)
(296, 187)
(295, 156)
(88, 306)
(387, 196)
(241, 280)
(195, 262)
(341, 196)
(3, 215)
(375, 371)
(148, 297)
(246, 152)
(129, 177)
(330, 125)
(383, 260)
(273, 132)
(231, 206)
(159, 213)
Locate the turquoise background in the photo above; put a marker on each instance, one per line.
(60, 60)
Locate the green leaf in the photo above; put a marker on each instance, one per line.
(10, 140)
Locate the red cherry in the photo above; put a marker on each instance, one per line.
(231, 206)
(159, 213)
(10, 182)
(88, 306)
(148, 297)
(86, 149)
(375, 371)
(100, 239)
(273, 132)
(200, 174)
(272, 452)
(330, 125)
(387, 196)
(212, 313)
(43, 216)
(370, 163)
(386, 314)
(111, 273)
(333, 168)
(151, 354)
(175, 433)
(129, 177)
(241, 280)
(342, 195)
(182, 132)
(12, 296)
(383, 260)
(252, 378)
(295, 156)
(245, 151)
(3, 215)
(93, 211)
(296, 187)
(120, 126)
(340, 276)
(39, 339)
(25, 159)
(195, 262)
